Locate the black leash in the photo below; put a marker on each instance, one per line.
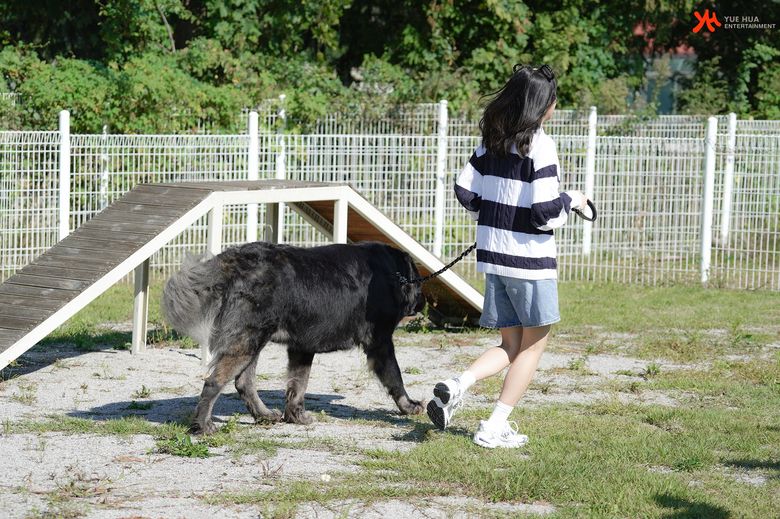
(404, 281)
(592, 210)
(463, 254)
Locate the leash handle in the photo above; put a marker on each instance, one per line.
(592, 210)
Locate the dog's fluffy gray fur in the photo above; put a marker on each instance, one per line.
(314, 300)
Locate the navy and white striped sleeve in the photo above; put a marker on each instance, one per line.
(468, 186)
(549, 207)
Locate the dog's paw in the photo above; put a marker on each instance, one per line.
(205, 428)
(299, 417)
(272, 417)
(409, 406)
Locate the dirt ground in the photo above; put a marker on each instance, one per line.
(122, 476)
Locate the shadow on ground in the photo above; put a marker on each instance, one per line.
(52, 349)
(178, 409)
(683, 508)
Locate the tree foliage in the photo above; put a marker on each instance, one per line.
(166, 65)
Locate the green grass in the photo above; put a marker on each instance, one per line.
(598, 461)
(86, 330)
(125, 426)
(182, 445)
(631, 308)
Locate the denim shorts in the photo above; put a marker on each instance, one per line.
(513, 302)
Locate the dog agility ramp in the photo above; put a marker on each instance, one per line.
(122, 238)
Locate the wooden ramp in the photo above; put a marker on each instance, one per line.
(122, 238)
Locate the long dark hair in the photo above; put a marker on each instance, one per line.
(516, 110)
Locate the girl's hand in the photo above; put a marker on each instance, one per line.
(578, 199)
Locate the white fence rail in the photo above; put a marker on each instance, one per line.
(646, 176)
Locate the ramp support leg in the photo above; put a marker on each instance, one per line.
(340, 215)
(273, 224)
(214, 238)
(140, 307)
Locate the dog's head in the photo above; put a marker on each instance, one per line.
(412, 297)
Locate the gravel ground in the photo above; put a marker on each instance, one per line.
(57, 474)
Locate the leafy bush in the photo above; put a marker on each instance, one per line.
(84, 88)
(154, 95)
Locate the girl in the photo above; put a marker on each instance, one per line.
(510, 187)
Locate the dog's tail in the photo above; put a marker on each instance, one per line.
(190, 300)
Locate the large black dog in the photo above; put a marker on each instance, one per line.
(314, 300)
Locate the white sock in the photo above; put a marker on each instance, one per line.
(466, 380)
(499, 416)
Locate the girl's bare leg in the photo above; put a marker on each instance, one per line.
(497, 358)
(523, 367)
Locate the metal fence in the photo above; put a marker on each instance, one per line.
(648, 177)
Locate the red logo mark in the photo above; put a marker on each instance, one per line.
(709, 20)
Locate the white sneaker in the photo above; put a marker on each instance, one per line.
(447, 398)
(507, 437)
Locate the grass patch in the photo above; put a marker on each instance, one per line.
(140, 406)
(283, 500)
(593, 460)
(125, 426)
(144, 392)
(182, 445)
(26, 393)
(727, 383)
(86, 329)
(616, 307)
(610, 459)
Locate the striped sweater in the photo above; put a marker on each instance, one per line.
(516, 203)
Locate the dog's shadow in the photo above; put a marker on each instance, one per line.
(180, 409)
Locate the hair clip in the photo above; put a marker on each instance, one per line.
(547, 71)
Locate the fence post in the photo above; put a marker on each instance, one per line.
(590, 177)
(728, 179)
(709, 192)
(64, 216)
(253, 173)
(104, 169)
(281, 170)
(441, 171)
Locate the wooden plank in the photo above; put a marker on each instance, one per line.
(61, 249)
(32, 302)
(102, 246)
(247, 185)
(8, 337)
(25, 290)
(70, 263)
(123, 226)
(113, 214)
(170, 189)
(48, 282)
(194, 186)
(10, 310)
(169, 202)
(165, 199)
(96, 233)
(66, 273)
(17, 323)
(155, 210)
